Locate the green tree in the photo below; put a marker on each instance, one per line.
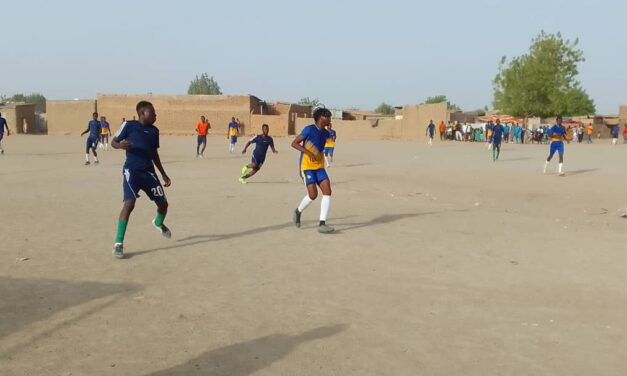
(384, 109)
(442, 98)
(543, 81)
(35, 98)
(204, 85)
(306, 101)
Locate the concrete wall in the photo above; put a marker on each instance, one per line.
(178, 114)
(21, 118)
(412, 127)
(278, 124)
(69, 117)
(622, 114)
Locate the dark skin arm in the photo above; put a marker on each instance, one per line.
(157, 161)
(246, 147)
(117, 144)
(85, 131)
(297, 144)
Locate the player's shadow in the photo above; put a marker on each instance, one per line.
(246, 358)
(582, 171)
(26, 301)
(200, 239)
(382, 220)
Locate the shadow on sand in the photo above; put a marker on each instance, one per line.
(245, 358)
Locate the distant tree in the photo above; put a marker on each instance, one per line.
(384, 109)
(34, 98)
(204, 85)
(442, 98)
(306, 101)
(543, 81)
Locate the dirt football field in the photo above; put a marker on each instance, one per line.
(443, 263)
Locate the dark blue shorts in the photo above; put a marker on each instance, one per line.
(258, 159)
(91, 143)
(202, 140)
(233, 139)
(328, 151)
(104, 137)
(315, 176)
(147, 181)
(557, 146)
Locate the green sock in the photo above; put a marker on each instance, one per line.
(159, 219)
(119, 238)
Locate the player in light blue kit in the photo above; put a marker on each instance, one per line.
(93, 128)
(140, 139)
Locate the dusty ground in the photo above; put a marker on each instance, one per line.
(444, 263)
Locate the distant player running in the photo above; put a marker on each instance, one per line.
(202, 127)
(3, 125)
(233, 132)
(310, 143)
(329, 146)
(557, 133)
(104, 133)
(262, 142)
(94, 129)
(497, 138)
(140, 139)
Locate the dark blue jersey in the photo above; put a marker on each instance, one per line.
(497, 133)
(94, 128)
(261, 144)
(3, 123)
(144, 141)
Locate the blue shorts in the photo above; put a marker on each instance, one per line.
(147, 181)
(328, 150)
(314, 176)
(557, 146)
(104, 137)
(258, 160)
(233, 139)
(91, 143)
(202, 140)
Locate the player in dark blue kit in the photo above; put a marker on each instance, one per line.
(497, 138)
(3, 124)
(262, 142)
(93, 128)
(140, 139)
(557, 133)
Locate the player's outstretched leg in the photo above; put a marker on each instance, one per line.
(248, 171)
(560, 168)
(162, 210)
(325, 205)
(125, 213)
(312, 193)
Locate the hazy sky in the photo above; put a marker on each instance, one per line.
(347, 53)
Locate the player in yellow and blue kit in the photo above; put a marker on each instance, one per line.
(557, 133)
(329, 146)
(233, 132)
(310, 142)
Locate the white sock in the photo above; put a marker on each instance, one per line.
(560, 168)
(87, 157)
(107, 146)
(96, 159)
(546, 165)
(324, 207)
(326, 161)
(304, 203)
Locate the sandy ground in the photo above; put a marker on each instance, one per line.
(444, 263)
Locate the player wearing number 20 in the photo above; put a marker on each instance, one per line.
(140, 139)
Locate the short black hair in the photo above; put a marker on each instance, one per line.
(265, 126)
(141, 105)
(559, 117)
(321, 112)
(95, 113)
